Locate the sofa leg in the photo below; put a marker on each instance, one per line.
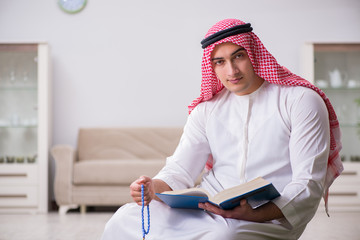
(82, 209)
(64, 208)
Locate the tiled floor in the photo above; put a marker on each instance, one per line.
(75, 226)
(339, 226)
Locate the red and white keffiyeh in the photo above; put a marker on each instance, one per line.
(266, 66)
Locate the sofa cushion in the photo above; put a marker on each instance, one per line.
(114, 172)
(127, 143)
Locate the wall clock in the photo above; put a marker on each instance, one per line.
(72, 6)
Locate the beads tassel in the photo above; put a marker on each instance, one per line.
(145, 232)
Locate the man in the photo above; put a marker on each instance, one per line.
(253, 118)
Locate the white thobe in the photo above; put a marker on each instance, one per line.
(278, 132)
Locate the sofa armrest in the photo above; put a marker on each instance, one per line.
(64, 156)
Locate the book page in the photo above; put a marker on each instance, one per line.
(199, 192)
(239, 190)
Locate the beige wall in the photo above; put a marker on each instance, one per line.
(137, 63)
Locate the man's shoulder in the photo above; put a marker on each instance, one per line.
(222, 95)
(297, 95)
(207, 107)
(293, 91)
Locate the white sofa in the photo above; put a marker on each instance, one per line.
(106, 161)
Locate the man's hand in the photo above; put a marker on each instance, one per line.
(151, 186)
(244, 211)
(240, 212)
(149, 190)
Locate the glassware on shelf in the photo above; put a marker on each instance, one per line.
(25, 77)
(4, 122)
(355, 158)
(322, 83)
(353, 83)
(20, 159)
(33, 122)
(28, 122)
(12, 77)
(335, 78)
(15, 120)
(10, 159)
(357, 101)
(338, 78)
(31, 158)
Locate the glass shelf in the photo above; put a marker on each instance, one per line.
(20, 126)
(18, 160)
(341, 89)
(16, 163)
(18, 88)
(349, 125)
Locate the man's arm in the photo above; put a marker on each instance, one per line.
(266, 212)
(309, 145)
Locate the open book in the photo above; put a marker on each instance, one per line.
(257, 192)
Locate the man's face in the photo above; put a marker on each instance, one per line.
(233, 67)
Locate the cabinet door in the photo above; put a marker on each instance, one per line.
(24, 127)
(19, 196)
(334, 68)
(18, 103)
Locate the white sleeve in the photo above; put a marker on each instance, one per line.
(189, 159)
(309, 151)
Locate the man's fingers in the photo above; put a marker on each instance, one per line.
(144, 180)
(211, 208)
(138, 200)
(243, 202)
(135, 190)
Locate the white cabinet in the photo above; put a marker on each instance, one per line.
(24, 127)
(345, 192)
(335, 68)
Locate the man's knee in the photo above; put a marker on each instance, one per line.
(221, 232)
